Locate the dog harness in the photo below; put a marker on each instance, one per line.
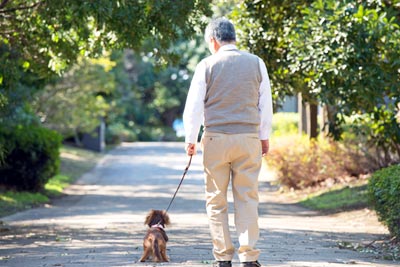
(157, 226)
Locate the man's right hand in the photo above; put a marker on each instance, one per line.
(190, 149)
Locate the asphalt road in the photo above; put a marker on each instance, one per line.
(100, 221)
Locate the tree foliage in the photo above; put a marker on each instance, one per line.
(39, 38)
(261, 28)
(342, 54)
(43, 40)
(74, 103)
(149, 97)
(51, 33)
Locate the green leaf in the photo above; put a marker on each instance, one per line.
(360, 12)
(26, 65)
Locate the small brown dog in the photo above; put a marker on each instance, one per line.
(155, 241)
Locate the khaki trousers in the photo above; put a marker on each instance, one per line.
(234, 158)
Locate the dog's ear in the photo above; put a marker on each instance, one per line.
(165, 217)
(149, 218)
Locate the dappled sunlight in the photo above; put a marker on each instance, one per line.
(66, 155)
(337, 263)
(354, 222)
(101, 220)
(145, 191)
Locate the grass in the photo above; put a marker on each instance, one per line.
(11, 201)
(338, 199)
(74, 163)
(56, 185)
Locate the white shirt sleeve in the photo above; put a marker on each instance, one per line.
(193, 115)
(265, 103)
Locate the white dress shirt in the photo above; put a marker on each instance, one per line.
(193, 115)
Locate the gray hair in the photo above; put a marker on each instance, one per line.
(221, 29)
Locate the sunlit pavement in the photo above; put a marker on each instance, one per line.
(100, 222)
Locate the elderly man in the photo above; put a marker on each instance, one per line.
(230, 94)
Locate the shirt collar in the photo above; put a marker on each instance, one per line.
(227, 47)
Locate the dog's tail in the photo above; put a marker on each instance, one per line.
(156, 250)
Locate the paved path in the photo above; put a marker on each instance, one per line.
(100, 222)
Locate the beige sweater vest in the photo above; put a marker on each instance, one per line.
(231, 104)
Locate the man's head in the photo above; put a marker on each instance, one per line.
(218, 33)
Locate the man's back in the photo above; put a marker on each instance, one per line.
(231, 103)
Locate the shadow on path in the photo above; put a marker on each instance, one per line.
(100, 221)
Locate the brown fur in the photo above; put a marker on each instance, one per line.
(155, 241)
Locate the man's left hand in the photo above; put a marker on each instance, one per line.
(264, 147)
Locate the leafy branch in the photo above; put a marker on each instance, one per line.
(4, 3)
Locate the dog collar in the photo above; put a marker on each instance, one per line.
(157, 226)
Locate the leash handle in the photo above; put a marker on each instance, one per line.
(180, 183)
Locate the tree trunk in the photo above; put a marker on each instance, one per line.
(308, 122)
(303, 115)
(77, 140)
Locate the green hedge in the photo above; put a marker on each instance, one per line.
(384, 193)
(31, 157)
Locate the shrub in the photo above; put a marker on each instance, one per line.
(384, 193)
(117, 133)
(300, 162)
(31, 157)
(157, 133)
(377, 134)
